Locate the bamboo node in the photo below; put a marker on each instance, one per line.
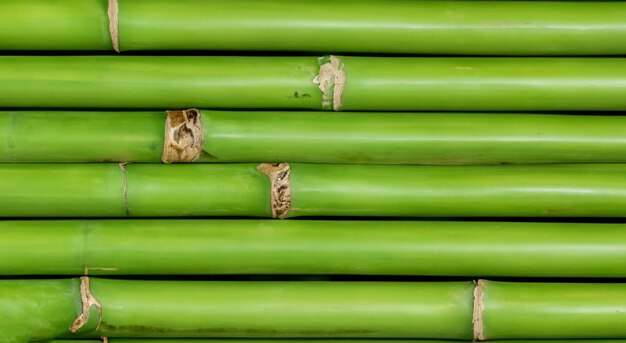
(332, 81)
(125, 189)
(113, 13)
(183, 136)
(280, 193)
(87, 300)
(477, 316)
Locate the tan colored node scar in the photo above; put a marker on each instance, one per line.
(183, 136)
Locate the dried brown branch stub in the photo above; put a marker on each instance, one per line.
(477, 319)
(87, 300)
(332, 81)
(280, 187)
(183, 136)
(113, 13)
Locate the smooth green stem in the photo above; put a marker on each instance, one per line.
(54, 25)
(246, 309)
(371, 83)
(153, 190)
(362, 26)
(554, 310)
(319, 137)
(308, 247)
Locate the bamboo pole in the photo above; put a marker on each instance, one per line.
(363, 26)
(553, 310)
(46, 309)
(54, 25)
(152, 190)
(192, 340)
(308, 247)
(339, 83)
(318, 137)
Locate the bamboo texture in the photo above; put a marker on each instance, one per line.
(554, 310)
(362, 26)
(319, 137)
(371, 83)
(45, 309)
(310, 247)
(192, 190)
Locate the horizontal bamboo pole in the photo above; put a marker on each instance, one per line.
(318, 137)
(307, 247)
(553, 310)
(340, 83)
(364, 26)
(46, 309)
(110, 247)
(153, 190)
(54, 25)
(200, 340)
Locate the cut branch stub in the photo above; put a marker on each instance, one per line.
(280, 193)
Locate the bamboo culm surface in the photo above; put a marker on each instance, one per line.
(339, 83)
(363, 26)
(319, 137)
(429, 310)
(199, 189)
(213, 340)
(311, 247)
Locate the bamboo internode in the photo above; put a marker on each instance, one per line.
(196, 190)
(314, 137)
(363, 26)
(45, 309)
(311, 247)
(366, 83)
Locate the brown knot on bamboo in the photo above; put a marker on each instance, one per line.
(477, 316)
(87, 300)
(183, 136)
(280, 194)
(113, 13)
(331, 81)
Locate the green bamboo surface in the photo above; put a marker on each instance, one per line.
(425, 27)
(373, 83)
(153, 190)
(239, 309)
(319, 137)
(554, 310)
(363, 26)
(308, 247)
(54, 25)
(192, 340)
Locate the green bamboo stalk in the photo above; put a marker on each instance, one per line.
(54, 25)
(364, 26)
(192, 340)
(553, 310)
(237, 309)
(152, 190)
(319, 137)
(307, 247)
(431, 27)
(348, 83)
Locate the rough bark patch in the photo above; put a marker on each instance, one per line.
(183, 136)
(280, 194)
(332, 81)
(477, 318)
(87, 300)
(113, 12)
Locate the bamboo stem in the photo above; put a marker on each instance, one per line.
(241, 309)
(363, 26)
(152, 190)
(44, 309)
(309, 247)
(371, 83)
(319, 137)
